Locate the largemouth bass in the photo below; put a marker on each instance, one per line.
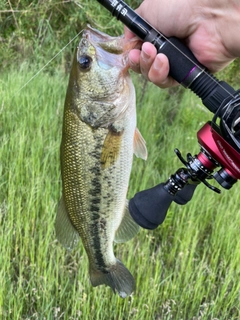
(98, 141)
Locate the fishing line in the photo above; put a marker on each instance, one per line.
(36, 74)
(203, 70)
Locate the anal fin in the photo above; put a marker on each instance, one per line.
(66, 234)
(128, 227)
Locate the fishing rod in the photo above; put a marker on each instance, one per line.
(219, 139)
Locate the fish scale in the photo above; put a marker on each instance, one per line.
(98, 141)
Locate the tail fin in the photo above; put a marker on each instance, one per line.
(118, 278)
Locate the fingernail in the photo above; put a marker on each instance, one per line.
(157, 64)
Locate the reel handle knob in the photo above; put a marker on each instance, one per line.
(148, 208)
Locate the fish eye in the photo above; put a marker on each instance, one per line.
(85, 62)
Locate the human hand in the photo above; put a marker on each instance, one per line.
(210, 30)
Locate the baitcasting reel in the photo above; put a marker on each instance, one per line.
(219, 147)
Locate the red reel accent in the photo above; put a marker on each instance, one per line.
(220, 150)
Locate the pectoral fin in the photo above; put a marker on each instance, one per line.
(139, 145)
(67, 235)
(111, 148)
(128, 227)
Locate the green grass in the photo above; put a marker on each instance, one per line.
(188, 268)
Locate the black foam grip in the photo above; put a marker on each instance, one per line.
(181, 59)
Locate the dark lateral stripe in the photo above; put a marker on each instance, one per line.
(95, 193)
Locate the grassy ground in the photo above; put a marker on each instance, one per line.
(186, 269)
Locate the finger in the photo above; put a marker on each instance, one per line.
(134, 60)
(158, 73)
(147, 56)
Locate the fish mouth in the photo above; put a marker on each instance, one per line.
(109, 51)
(114, 45)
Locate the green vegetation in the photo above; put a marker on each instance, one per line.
(187, 269)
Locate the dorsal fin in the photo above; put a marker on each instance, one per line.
(66, 234)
